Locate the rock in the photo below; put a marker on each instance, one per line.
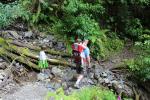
(106, 80)
(1, 77)
(50, 37)
(100, 80)
(14, 34)
(127, 91)
(28, 34)
(57, 72)
(32, 76)
(104, 74)
(50, 44)
(69, 74)
(1, 60)
(64, 85)
(45, 40)
(3, 65)
(60, 45)
(1, 81)
(42, 76)
(114, 82)
(91, 75)
(90, 82)
(55, 85)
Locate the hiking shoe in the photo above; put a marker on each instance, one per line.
(77, 86)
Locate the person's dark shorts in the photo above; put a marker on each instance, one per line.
(80, 69)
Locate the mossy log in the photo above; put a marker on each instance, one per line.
(11, 51)
(21, 59)
(37, 48)
(28, 53)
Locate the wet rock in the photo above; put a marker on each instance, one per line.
(64, 85)
(28, 34)
(42, 76)
(97, 71)
(104, 74)
(100, 80)
(3, 65)
(117, 87)
(60, 45)
(10, 34)
(50, 37)
(1, 81)
(1, 60)
(1, 77)
(32, 76)
(55, 85)
(50, 44)
(127, 91)
(14, 34)
(91, 75)
(69, 74)
(106, 80)
(57, 72)
(45, 40)
(91, 82)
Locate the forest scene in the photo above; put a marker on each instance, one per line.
(74, 50)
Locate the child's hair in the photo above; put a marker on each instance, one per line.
(43, 47)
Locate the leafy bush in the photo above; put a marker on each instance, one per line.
(140, 66)
(77, 22)
(134, 28)
(9, 12)
(88, 93)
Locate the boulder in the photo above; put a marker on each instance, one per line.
(42, 76)
(57, 72)
(28, 34)
(69, 74)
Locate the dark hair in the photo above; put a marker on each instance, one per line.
(78, 40)
(43, 47)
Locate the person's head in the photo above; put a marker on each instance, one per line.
(43, 48)
(78, 40)
(86, 41)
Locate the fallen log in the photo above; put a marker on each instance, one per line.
(28, 53)
(8, 49)
(37, 48)
(21, 59)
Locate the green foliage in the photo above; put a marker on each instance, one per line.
(88, 93)
(140, 66)
(95, 93)
(78, 20)
(134, 28)
(10, 12)
(78, 7)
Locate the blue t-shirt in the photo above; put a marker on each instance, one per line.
(85, 53)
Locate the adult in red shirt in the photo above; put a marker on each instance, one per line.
(78, 47)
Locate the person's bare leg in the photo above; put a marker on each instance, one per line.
(80, 77)
(88, 62)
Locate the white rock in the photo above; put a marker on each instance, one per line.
(119, 86)
(42, 76)
(106, 80)
(1, 77)
(1, 81)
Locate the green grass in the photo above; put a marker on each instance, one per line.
(88, 93)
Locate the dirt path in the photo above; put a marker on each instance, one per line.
(118, 58)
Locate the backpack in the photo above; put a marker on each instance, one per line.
(76, 53)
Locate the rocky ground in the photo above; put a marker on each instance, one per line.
(24, 84)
